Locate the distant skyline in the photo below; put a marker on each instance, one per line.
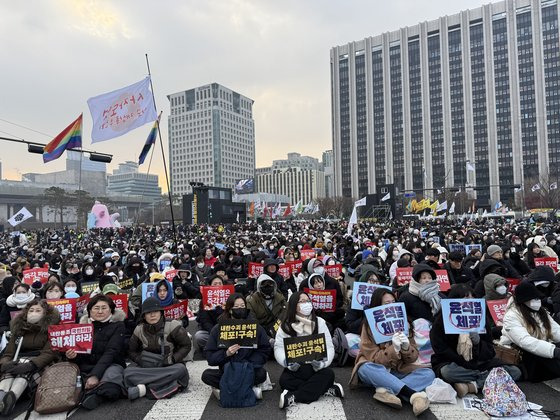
(58, 53)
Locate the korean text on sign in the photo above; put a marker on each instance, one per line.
(361, 294)
(121, 302)
(461, 316)
(34, 274)
(443, 280)
(255, 270)
(551, 262)
(305, 349)
(497, 309)
(237, 332)
(324, 300)
(386, 320)
(78, 337)
(213, 296)
(177, 311)
(334, 271)
(66, 308)
(404, 275)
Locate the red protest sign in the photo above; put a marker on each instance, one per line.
(255, 270)
(14, 314)
(443, 280)
(334, 270)
(66, 308)
(170, 275)
(177, 311)
(121, 302)
(213, 296)
(551, 262)
(33, 274)
(285, 271)
(78, 337)
(305, 254)
(512, 284)
(324, 300)
(497, 309)
(82, 302)
(295, 266)
(404, 275)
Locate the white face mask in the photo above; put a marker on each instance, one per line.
(34, 317)
(501, 290)
(69, 289)
(21, 296)
(319, 270)
(108, 264)
(305, 308)
(534, 304)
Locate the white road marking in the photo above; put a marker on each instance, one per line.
(327, 408)
(34, 415)
(186, 405)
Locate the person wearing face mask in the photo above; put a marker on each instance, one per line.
(31, 326)
(270, 268)
(236, 269)
(304, 382)
(202, 271)
(465, 360)
(71, 289)
(102, 369)
(267, 305)
(403, 253)
(235, 308)
(544, 279)
(134, 269)
(22, 296)
(529, 327)
(207, 318)
(391, 367)
(186, 284)
(54, 291)
(422, 299)
(495, 287)
(166, 340)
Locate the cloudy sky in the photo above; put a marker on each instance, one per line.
(58, 53)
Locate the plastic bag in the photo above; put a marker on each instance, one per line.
(441, 392)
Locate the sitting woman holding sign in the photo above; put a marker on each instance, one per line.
(390, 366)
(465, 360)
(220, 351)
(422, 299)
(304, 378)
(333, 316)
(27, 353)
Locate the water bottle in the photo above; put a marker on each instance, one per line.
(79, 382)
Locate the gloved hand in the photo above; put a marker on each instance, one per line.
(475, 338)
(397, 342)
(7, 366)
(557, 353)
(22, 368)
(405, 342)
(294, 366)
(317, 365)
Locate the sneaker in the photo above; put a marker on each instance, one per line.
(335, 391)
(216, 393)
(258, 392)
(387, 398)
(420, 403)
(287, 399)
(90, 401)
(8, 403)
(133, 393)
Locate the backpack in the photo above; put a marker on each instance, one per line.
(236, 385)
(502, 396)
(340, 344)
(59, 389)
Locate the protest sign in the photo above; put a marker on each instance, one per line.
(213, 296)
(126, 284)
(324, 300)
(237, 332)
(443, 280)
(362, 292)
(255, 270)
(551, 262)
(149, 289)
(34, 274)
(463, 316)
(469, 248)
(435, 239)
(305, 348)
(89, 286)
(386, 320)
(456, 248)
(78, 337)
(285, 271)
(121, 302)
(512, 284)
(177, 311)
(81, 303)
(66, 308)
(334, 270)
(295, 266)
(497, 309)
(404, 275)
(170, 275)
(163, 264)
(306, 254)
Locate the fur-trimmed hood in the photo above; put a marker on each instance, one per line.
(116, 317)
(20, 326)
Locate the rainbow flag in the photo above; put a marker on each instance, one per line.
(70, 138)
(149, 141)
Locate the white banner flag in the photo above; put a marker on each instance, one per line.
(353, 220)
(19, 217)
(386, 197)
(452, 208)
(470, 166)
(360, 202)
(120, 111)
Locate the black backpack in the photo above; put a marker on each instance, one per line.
(340, 344)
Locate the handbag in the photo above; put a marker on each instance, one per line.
(153, 360)
(508, 355)
(59, 389)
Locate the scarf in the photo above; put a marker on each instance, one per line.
(464, 347)
(103, 321)
(303, 326)
(428, 292)
(14, 301)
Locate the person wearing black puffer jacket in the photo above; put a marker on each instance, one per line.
(207, 319)
(270, 268)
(186, 284)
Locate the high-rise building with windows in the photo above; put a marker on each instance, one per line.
(411, 107)
(211, 138)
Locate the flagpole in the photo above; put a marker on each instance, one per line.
(163, 156)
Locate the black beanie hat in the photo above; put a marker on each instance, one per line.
(151, 304)
(526, 291)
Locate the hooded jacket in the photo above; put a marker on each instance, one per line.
(281, 285)
(267, 311)
(491, 281)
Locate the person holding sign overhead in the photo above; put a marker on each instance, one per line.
(218, 354)
(306, 376)
(390, 366)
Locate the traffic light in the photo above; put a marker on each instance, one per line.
(100, 157)
(35, 148)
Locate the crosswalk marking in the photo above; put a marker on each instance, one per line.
(34, 415)
(186, 405)
(325, 408)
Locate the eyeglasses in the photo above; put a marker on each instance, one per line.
(100, 308)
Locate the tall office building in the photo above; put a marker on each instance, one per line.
(412, 106)
(126, 180)
(211, 137)
(328, 168)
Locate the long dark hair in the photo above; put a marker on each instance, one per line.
(290, 316)
(532, 325)
(530, 254)
(229, 305)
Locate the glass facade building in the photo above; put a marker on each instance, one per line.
(411, 107)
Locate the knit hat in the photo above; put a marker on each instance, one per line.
(526, 291)
(111, 288)
(492, 249)
(420, 268)
(151, 304)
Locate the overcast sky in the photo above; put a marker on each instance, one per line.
(58, 53)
